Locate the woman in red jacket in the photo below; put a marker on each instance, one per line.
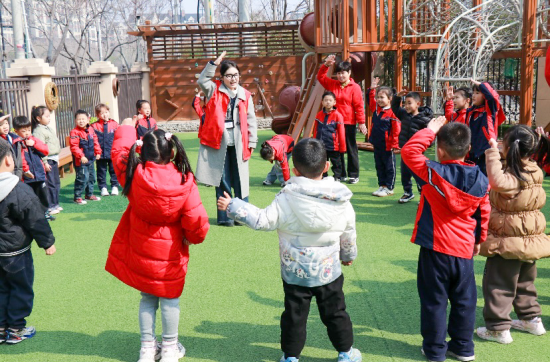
(150, 248)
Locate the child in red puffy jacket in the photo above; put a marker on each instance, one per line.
(150, 248)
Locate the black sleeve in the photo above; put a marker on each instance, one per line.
(477, 218)
(31, 215)
(399, 112)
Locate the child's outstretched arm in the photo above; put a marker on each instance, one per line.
(396, 108)
(348, 239)
(194, 219)
(258, 219)
(371, 94)
(500, 181)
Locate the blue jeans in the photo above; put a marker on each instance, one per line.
(85, 180)
(230, 179)
(16, 294)
(276, 172)
(102, 166)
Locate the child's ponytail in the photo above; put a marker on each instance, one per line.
(522, 143)
(37, 111)
(180, 160)
(131, 163)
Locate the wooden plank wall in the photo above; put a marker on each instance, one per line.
(175, 83)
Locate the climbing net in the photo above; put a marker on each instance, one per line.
(469, 42)
(428, 17)
(543, 17)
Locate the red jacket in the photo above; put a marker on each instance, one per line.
(282, 145)
(452, 115)
(349, 99)
(211, 131)
(385, 126)
(32, 158)
(198, 109)
(84, 143)
(144, 125)
(149, 250)
(329, 129)
(454, 204)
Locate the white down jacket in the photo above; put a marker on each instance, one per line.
(316, 225)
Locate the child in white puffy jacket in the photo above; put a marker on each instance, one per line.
(316, 225)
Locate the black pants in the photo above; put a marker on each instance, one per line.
(53, 184)
(352, 151)
(102, 166)
(85, 180)
(332, 309)
(480, 162)
(443, 277)
(230, 179)
(385, 168)
(406, 179)
(16, 294)
(39, 188)
(335, 160)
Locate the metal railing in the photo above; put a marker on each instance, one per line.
(13, 97)
(129, 93)
(75, 92)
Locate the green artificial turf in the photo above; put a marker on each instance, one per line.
(233, 296)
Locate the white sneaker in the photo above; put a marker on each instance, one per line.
(461, 358)
(104, 192)
(375, 193)
(267, 183)
(149, 352)
(114, 191)
(385, 192)
(533, 326)
(171, 351)
(503, 337)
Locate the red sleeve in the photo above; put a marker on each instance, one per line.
(341, 134)
(327, 83)
(491, 100)
(24, 163)
(95, 126)
(197, 107)
(489, 132)
(125, 137)
(194, 219)
(75, 146)
(114, 124)
(395, 130)
(413, 152)
(285, 168)
(358, 104)
(371, 99)
(547, 67)
(97, 147)
(450, 110)
(40, 146)
(318, 118)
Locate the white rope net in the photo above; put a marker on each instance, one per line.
(543, 17)
(469, 42)
(429, 17)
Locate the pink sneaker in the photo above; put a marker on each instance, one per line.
(93, 198)
(79, 201)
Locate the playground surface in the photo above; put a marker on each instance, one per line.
(233, 296)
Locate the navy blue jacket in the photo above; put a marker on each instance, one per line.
(33, 157)
(105, 131)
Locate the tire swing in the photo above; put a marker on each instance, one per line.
(51, 95)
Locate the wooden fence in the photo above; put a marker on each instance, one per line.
(13, 96)
(128, 94)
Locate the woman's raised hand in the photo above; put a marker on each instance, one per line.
(330, 60)
(220, 58)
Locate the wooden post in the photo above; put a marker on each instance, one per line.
(371, 21)
(412, 71)
(398, 80)
(152, 86)
(345, 36)
(527, 62)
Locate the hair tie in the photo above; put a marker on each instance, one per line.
(139, 143)
(168, 136)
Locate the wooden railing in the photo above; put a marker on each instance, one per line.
(13, 96)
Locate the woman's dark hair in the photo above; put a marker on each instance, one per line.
(267, 151)
(140, 103)
(156, 148)
(521, 142)
(226, 64)
(343, 67)
(37, 111)
(386, 90)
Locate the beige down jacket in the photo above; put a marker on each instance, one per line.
(516, 225)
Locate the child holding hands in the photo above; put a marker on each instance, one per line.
(312, 245)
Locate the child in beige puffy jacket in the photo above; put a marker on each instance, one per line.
(516, 238)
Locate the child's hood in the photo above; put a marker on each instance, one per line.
(317, 203)
(425, 113)
(8, 181)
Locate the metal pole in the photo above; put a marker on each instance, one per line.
(208, 11)
(27, 36)
(244, 7)
(4, 58)
(17, 21)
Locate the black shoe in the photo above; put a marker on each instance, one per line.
(226, 223)
(406, 198)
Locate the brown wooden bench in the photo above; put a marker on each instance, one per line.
(65, 158)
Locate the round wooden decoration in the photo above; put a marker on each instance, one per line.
(116, 87)
(51, 96)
